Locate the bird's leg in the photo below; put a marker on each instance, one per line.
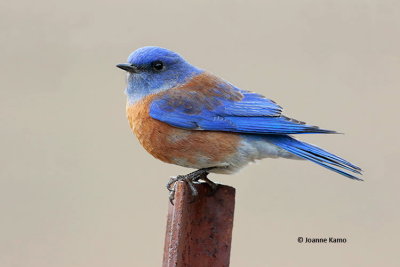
(210, 183)
(190, 179)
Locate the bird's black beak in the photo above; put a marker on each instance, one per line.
(128, 67)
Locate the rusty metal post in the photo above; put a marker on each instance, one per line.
(199, 233)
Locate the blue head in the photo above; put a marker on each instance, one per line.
(153, 69)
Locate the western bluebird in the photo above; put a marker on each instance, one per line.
(186, 116)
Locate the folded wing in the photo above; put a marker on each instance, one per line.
(209, 103)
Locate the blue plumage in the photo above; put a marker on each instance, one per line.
(252, 113)
(314, 154)
(252, 104)
(186, 97)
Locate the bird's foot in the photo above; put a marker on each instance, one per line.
(190, 179)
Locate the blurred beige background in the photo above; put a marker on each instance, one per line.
(77, 189)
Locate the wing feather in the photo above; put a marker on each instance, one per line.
(209, 103)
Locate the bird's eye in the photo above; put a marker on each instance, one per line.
(157, 65)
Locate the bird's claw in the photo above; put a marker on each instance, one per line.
(171, 188)
(190, 179)
(211, 184)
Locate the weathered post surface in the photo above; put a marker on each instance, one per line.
(199, 233)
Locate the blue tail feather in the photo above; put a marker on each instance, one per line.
(315, 154)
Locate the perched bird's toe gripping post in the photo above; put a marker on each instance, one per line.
(190, 179)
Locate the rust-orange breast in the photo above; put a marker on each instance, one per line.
(189, 148)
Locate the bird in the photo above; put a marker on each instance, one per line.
(184, 115)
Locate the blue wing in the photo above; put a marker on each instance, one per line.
(214, 105)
